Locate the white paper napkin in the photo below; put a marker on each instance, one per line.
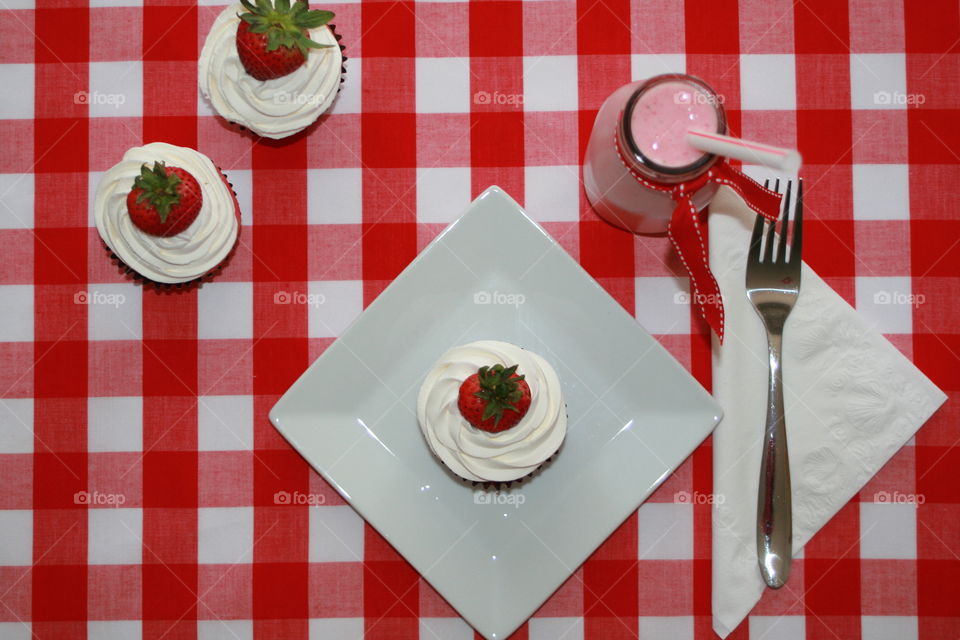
(852, 400)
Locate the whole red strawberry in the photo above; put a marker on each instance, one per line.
(273, 37)
(494, 399)
(164, 200)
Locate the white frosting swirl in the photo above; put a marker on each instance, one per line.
(476, 454)
(274, 108)
(187, 255)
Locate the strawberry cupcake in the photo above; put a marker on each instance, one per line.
(167, 213)
(271, 67)
(491, 411)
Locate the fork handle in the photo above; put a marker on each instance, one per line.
(774, 510)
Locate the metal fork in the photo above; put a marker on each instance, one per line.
(773, 284)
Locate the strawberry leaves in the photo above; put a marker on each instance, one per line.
(499, 388)
(159, 188)
(283, 24)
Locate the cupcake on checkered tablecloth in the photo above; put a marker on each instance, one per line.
(272, 67)
(167, 213)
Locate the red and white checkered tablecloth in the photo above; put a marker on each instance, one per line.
(137, 464)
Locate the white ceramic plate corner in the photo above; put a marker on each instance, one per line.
(635, 415)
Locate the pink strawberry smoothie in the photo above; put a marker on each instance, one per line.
(661, 118)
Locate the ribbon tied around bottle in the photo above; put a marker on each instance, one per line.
(687, 228)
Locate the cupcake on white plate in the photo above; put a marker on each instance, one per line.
(492, 412)
(272, 67)
(167, 213)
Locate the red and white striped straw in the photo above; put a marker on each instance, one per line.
(787, 160)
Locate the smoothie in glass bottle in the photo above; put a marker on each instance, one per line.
(642, 128)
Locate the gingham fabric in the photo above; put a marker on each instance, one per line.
(145, 494)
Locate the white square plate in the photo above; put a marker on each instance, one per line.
(634, 415)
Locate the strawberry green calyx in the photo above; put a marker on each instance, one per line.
(500, 389)
(159, 188)
(285, 25)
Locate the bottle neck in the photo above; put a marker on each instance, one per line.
(652, 172)
(628, 143)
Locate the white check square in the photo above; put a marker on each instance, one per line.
(114, 310)
(889, 627)
(16, 425)
(115, 535)
(887, 303)
(336, 628)
(666, 627)
(16, 537)
(443, 85)
(334, 196)
(779, 627)
(446, 628)
(443, 193)
(225, 535)
(768, 82)
(116, 89)
(666, 531)
(225, 310)
(17, 631)
(333, 305)
(224, 629)
(878, 81)
(114, 630)
(16, 200)
(115, 423)
(17, 103)
(225, 423)
(553, 193)
(17, 302)
(550, 83)
(888, 530)
(336, 534)
(647, 65)
(556, 628)
(881, 192)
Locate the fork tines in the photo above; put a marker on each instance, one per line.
(762, 250)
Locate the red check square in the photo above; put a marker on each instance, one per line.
(59, 592)
(272, 595)
(168, 33)
(169, 592)
(64, 32)
(832, 585)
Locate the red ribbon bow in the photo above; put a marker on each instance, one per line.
(687, 238)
